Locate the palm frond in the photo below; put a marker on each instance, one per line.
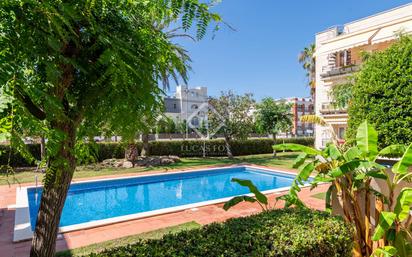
(313, 119)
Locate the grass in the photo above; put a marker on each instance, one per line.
(320, 196)
(283, 160)
(155, 234)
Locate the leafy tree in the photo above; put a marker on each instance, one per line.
(233, 113)
(382, 94)
(171, 126)
(308, 60)
(341, 95)
(151, 117)
(77, 65)
(273, 117)
(181, 126)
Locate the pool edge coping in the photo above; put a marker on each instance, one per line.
(22, 226)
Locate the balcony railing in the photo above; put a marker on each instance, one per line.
(328, 71)
(329, 108)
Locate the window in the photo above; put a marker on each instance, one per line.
(345, 58)
(341, 132)
(195, 121)
(194, 106)
(174, 106)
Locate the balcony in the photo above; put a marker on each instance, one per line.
(328, 71)
(329, 109)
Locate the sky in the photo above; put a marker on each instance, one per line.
(260, 57)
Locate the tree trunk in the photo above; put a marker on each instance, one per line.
(131, 153)
(145, 145)
(228, 148)
(58, 178)
(42, 148)
(274, 143)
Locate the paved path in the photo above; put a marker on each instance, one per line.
(69, 240)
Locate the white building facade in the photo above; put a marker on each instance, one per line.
(338, 56)
(188, 104)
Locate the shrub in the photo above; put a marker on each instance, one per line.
(285, 232)
(182, 148)
(382, 94)
(111, 150)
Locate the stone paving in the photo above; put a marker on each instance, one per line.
(202, 215)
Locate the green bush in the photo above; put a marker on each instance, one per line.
(216, 147)
(382, 95)
(285, 232)
(111, 150)
(182, 148)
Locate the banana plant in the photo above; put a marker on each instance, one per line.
(350, 173)
(259, 198)
(394, 224)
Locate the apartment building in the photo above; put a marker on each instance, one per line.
(339, 54)
(188, 104)
(300, 107)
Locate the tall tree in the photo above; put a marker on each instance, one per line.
(308, 60)
(233, 115)
(72, 63)
(273, 117)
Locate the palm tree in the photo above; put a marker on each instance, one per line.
(308, 61)
(318, 120)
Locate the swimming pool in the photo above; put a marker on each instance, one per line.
(94, 203)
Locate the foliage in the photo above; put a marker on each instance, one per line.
(382, 94)
(341, 95)
(319, 120)
(260, 198)
(351, 173)
(274, 233)
(124, 241)
(74, 67)
(14, 158)
(308, 60)
(182, 148)
(393, 225)
(166, 125)
(231, 116)
(273, 117)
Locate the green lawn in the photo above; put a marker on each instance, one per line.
(283, 160)
(155, 234)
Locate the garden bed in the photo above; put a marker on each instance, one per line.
(286, 232)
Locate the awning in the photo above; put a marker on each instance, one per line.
(389, 32)
(347, 41)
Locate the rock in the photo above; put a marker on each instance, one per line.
(175, 158)
(166, 161)
(127, 164)
(147, 161)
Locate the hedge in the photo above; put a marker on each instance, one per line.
(182, 148)
(216, 147)
(16, 160)
(284, 232)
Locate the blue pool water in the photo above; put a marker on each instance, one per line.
(112, 198)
